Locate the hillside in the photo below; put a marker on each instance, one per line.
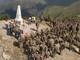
(5, 2)
(56, 8)
(61, 11)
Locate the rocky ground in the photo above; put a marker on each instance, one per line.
(9, 50)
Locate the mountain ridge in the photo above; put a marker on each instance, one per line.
(33, 7)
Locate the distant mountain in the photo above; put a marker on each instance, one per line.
(61, 11)
(4, 2)
(55, 8)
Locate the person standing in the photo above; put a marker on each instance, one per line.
(15, 23)
(37, 25)
(11, 28)
(6, 24)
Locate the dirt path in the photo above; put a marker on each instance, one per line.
(32, 28)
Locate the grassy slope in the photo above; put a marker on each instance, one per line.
(59, 11)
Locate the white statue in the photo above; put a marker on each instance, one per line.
(18, 18)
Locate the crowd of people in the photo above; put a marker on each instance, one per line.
(13, 29)
(48, 42)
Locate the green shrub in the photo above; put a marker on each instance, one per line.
(25, 18)
(4, 17)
